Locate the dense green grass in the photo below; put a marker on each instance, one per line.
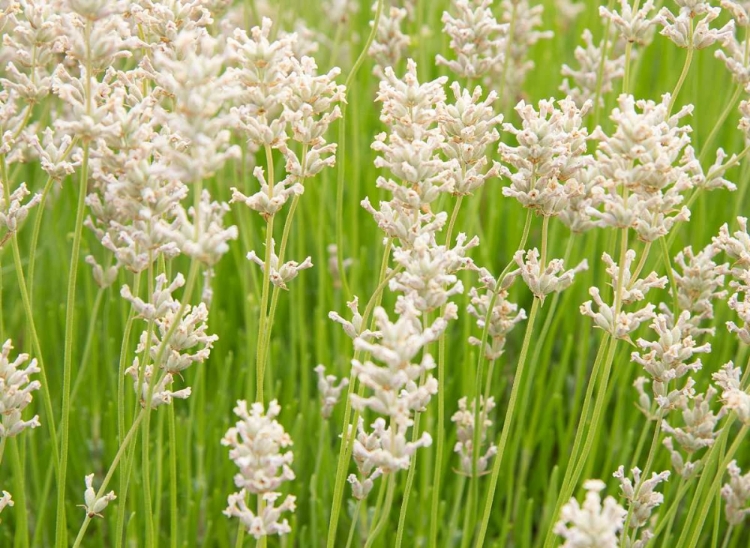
(562, 350)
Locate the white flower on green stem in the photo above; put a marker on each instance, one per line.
(669, 357)
(584, 80)
(160, 393)
(591, 524)
(266, 201)
(736, 494)
(95, 505)
(355, 327)
(545, 279)
(550, 153)
(268, 521)
(16, 387)
(14, 211)
(699, 430)
(5, 500)
(330, 393)
(390, 43)
(677, 27)
(640, 494)
(634, 27)
(477, 39)
(280, 274)
(465, 427)
(733, 397)
(397, 220)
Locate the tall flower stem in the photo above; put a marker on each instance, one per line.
(440, 444)
(685, 69)
(26, 300)
(105, 482)
(510, 412)
(260, 362)
(384, 513)
(61, 524)
(348, 432)
(61, 533)
(341, 153)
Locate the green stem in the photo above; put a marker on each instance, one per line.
(102, 488)
(670, 274)
(345, 448)
(440, 444)
(341, 153)
(260, 353)
(61, 529)
(173, 516)
(384, 514)
(685, 69)
(509, 415)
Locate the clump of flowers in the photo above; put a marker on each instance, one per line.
(736, 494)
(464, 419)
(591, 524)
(641, 496)
(581, 84)
(330, 392)
(257, 443)
(16, 387)
(95, 505)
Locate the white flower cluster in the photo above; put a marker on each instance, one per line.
(16, 387)
(583, 83)
(477, 39)
(699, 431)
(280, 274)
(396, 392)
(468, 127)
(732, 51)
(631, 291)
(737, 247)
(647, 163)
(94, 506)
(545, 279)
(683, 30)
(390, 43)
(591, 524)
(464, 419)
(187, 342)
(329, 391)
(668, 358)
(5, 500)
(256, 443)
(641, 497)
(550, 153)
(736, 494)
(522, 36)
(503, 318)
(13, 211)
(635, 27)
(733, 397)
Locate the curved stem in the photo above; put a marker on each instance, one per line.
(507, 423)
(731, 105)
(105, 482)
(685, 69)
(61, 533)
(384, 514)
(341, 153)
(347, 434)
(440, 444)
(260, 352)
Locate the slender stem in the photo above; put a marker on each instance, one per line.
(348, 432)
(260, 353)
(731, 105)
(173, 516)
(384, 514)
(667, 520)
(727, 536)
(670, 274)
(409, 484)
(61, 532)
(509, 415)
(341, 153)
(105, 482)
(685, 68)
(440, 444)
(353, 526)
(708, 498)
(26, 300)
